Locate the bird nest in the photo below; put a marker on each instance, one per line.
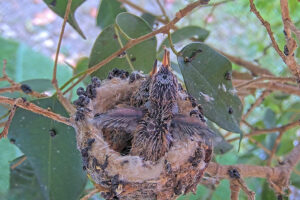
(142, 136)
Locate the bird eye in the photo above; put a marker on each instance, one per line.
(164, 76)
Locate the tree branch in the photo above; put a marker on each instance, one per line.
(288, 59)
(36, 109)
(7, 123)
(68, 106)
(164, 29)
(291, 43)
(271, 130)
(254, 69)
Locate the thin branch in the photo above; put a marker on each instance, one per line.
(164, 29)
(260, 145)
(289, 60)
(271, 130)
(266, 78)
(256, 103)
(18, 163)
(163, 10)
(14, 85)
(294, 29)
(142, 10)
(291, 43)
(234, 189)
(278, 176)
(5, 76)
(255, 69)
(74, 84)
(179, 15)
(68, 106)
(7, 123)
(275, 86)
(90, 194)
(268, 28)
(274, 149)
(249, 193)
(35, 109)
(172, 45)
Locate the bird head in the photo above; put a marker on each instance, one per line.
(164, 83)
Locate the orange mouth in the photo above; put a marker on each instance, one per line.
(166, 59)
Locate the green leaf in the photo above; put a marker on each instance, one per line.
(140, 57)
(82, 65)
(8, 153)
(205, 78)
(23, 182)
(55, 160)
(221, 146)
(295, 178)
(39, 85)
(24, 64)
(108, 11)
(267, 193)
(184, 34)
(150, 19)
(59, 7)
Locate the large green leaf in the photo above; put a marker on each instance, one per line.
(111, 39)
(221, 146)
(267, 193)
(23, 182)
(108, 11)
(184, 34)
(59, 7)
(205, 75)
(150, 19)
(82, 65)
(55, 160)
(24, 64)
(39, 85)
(8, 153)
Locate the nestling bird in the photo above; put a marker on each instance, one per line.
(153, 122)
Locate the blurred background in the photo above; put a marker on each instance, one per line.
(34, 30)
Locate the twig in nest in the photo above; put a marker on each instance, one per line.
(90, 194)
(18, 163)
(68, 106)
(7, 124)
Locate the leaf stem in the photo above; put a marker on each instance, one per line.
(172, 45)
(117, 28)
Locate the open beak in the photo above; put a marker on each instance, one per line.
(165, 63)
(154, 69)
(166, 59)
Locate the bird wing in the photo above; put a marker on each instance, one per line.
(184, 126)
(123, 119)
